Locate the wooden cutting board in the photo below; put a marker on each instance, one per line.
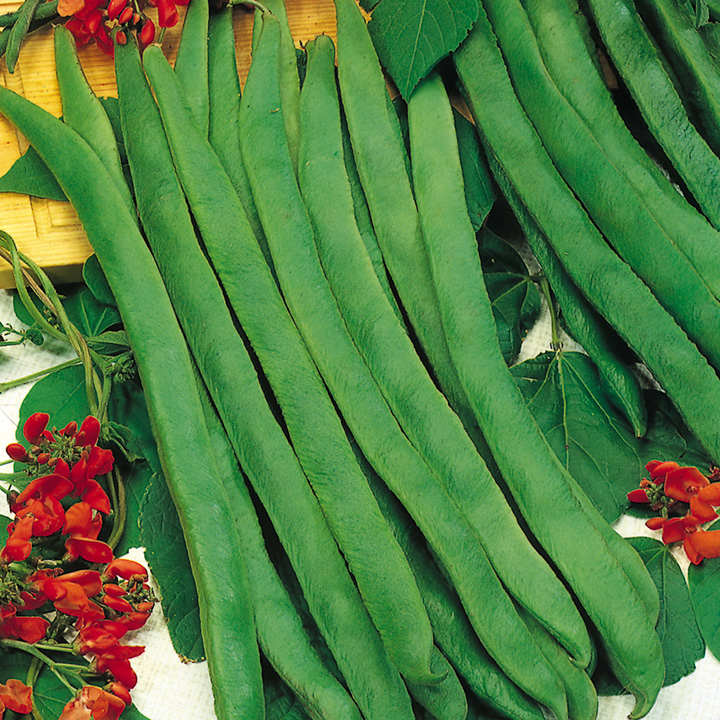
(49, 231)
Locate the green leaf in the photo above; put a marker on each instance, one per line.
(111, 342)
(90, 316)
(680, 637)
(479, 188)
(96, 282)
(29, 175)
(137, 480)
(412, 36)
(127, 409)
(165, 552)
(61, 394)
(513, 294)
(704, 580)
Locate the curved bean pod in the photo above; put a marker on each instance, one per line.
(317, 434)
(84, 113)
(446, 700)
(171, 392)
(546, 494)
(258, 440)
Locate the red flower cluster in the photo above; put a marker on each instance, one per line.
(94, 20)
(63, 508)
(15, 696)
(675, 488)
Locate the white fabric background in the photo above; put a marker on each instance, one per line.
(169, 689)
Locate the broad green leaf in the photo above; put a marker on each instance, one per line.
(96, 282)
(90, 316)
(128, 410)
(479, 188)
(29, 175)
(680, 637)
(61, 394)
(704, 580)
(513, 294)
(167, 557)
(111, 342)
(412, 36)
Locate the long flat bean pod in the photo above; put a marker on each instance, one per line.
(637, 59)
(619, 211)
(289, 78)
(257, 439)
(282, 637)
(364, 408)
(171, 393)
(673, 26)
(380, 159)
(561, 32)
(17, 33)
(191, 64)
(446, 700)
(84, 113)
(453, 632)
(546, 494)
(583, 323)
(315, 429)
(224, 113)
(354, 285)
(581, 695)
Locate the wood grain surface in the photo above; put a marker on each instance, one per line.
(49, 231)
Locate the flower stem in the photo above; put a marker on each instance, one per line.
(117, 490)
(40, 373)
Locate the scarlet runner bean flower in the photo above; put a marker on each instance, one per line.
(15, 696)
(102, 603)
(676, 489)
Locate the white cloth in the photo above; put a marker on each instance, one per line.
(168, 688)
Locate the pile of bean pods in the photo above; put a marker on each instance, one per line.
(309, 318)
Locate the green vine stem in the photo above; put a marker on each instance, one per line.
(116, 486)
(36, 375)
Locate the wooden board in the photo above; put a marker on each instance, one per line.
(49, 231)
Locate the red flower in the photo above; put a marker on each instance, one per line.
(89, 549)
(88, 580)
(89, 432)
(71, 428)
(126, 569)
(120, 669)
(94, 639)
(100, 462)
(93, 703)
(120, 690)
(701, 510)
(638, 495)
(79, 521)
(682, 483)
(34, 427)
(117, 603)
(96, 497)
(53, 485)
(677, 529)
(28, 629)
(703, 544)
(167, 12)
(658, 469)
(17, 452)
(18, 546)
(71, 599)
(16, 696)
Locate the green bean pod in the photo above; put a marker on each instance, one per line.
(581, 695)
(282, 637)
(257, 439)
(363, 220)
(17, 33)
(453, 632)
(546, 494)
(446, 700)
(380, 158)
(561, 31)
(316, 431)
(619, 211)
(224, 114)
(289, 78)
(591, 331)
(434, 430)
(673, 27)
(166, 373)
(191, 63)
(638, 61)
(84, 113)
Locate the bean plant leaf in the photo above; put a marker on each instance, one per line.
(591, 438)
(479, 188)
(61, 394)
(89, 315)
(513, 294)
(704, 580)
(680, 638)
(412, 36)
(29, 175)
(96, 282)
(128, 411)
(167, 557)
(136, 479)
